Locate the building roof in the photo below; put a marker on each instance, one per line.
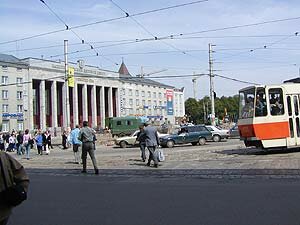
(10, 59)
(145, 81)
(294, 80)
(123, 71)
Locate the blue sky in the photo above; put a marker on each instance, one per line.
(232, 57)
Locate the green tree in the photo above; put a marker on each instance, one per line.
(198, 110)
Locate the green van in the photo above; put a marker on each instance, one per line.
(122, 126)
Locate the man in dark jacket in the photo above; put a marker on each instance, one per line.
(141, 137)
(152, 141)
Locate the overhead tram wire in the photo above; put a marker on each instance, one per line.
(237, 80)
(103, 21)
(130, 41)
(150, 33)
(266, 46)
(81, 39)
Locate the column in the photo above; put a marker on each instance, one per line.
(42, 105)
(94, 106)
(75, 104)
(54, 104)
(102, 106)
(110, 102)
(85, 103)
(117, 102)
(28, 104)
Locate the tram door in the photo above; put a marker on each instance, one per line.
(294, 120)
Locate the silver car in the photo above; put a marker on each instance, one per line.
(218, 133)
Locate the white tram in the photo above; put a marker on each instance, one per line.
(269, 116)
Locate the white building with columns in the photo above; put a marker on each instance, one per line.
(33, 95)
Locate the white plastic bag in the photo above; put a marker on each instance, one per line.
(160, 154)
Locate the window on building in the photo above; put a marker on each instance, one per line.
(20, 126)
(137, 102)
(19, 69)
(149, 102)
(19, 94)
(154, 94)
(159, 95)
(5, 126)
(136, 92)
(4, 80)
(19, 80)
(131, 101)
(160, 103)
(149, 94)
(4, 68)
(143, 102)
(154, 103)
(5, 108)
(4, 94)
(19, 108)
(130, 92)
(143, 93)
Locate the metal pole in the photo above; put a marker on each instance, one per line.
(194, 80)
(211, 76)
(67, 110)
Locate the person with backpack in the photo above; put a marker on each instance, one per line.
(14, 184)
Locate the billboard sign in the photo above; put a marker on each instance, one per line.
(170, 109)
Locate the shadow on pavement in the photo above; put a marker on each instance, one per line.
(257, 151)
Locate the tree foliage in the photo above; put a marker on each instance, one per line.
(198, 110)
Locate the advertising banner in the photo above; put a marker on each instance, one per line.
(71, 80)
(169, 95)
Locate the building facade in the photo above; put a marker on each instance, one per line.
(34, 95)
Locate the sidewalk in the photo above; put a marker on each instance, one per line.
(230, 155)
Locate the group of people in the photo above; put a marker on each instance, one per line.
(23, 142)
(148, 138)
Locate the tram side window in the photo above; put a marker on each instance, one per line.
(276, 102)
(260, 104)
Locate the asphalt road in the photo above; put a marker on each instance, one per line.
(73, 199)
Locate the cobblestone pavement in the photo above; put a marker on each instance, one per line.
(227, 157)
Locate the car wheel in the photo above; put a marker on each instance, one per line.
(123, 144)
(202, 141)
(194, 143)
(170, 144)
(216, 138)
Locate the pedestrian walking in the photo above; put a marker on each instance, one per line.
(64, 137)
(76, 143)
(141, 138)
(27, 143)
(39, 142)
(20, 143)
(12, 143)
(44, 141)
(152, 141)
(86, 136)
(2, 148)
(14, 184)
(49, 140)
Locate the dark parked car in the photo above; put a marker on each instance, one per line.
(234, 132)
(198, 134)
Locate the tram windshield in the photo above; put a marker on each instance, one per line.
(246, 104)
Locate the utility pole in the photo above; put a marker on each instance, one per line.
(194, 80)
(142, 71)
(67, 106)
(211, 78)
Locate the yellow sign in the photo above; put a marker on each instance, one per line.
(71, 80)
